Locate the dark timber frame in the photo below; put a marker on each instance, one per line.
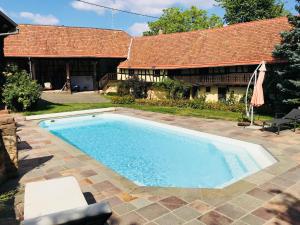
(65, 73)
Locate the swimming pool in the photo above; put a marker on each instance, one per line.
(159, 155)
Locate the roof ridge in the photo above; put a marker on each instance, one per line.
(216, 28)
(79, 27)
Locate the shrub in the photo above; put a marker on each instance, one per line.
(20, 91)
(176, 89)
(194, 104)
(133, 86)
(123, 89)
(122, 99)
(231, 100)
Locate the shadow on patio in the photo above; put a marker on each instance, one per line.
(286, 207)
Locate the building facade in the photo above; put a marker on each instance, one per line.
(216, 61)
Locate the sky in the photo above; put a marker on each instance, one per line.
(73, 13)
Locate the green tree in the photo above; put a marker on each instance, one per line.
(289, 50)
(240, 11)
(176, 20)
(20, 91)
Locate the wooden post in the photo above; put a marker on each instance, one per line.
(95, 83)
(68, 78)
(33, 70)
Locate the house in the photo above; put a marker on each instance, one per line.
(67, 56)
(7, 27)
(216, 62)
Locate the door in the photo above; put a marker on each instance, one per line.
(222, 94)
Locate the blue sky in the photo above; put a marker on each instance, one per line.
(72, 13)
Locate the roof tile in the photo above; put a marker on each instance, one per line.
(240, 44)
(61, 41)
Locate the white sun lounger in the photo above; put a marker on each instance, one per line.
(60, 201)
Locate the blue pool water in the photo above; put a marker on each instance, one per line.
(153, 155)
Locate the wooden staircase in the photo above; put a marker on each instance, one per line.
(105, 80)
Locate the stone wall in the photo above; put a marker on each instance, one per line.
(8, 147)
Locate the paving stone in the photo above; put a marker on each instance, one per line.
(200, 206)
(247, 202)
(172, 202)
(186, 213)
(130, 219)
(260, 177)
(152, 211)
(140, 202)
(52, 175)
(103, 186)
(252, 220)
(238, 222)
(214, 218)
(169, 219)
(194, 222)
(282, 182)
(269, 187)
(232, 211)
(261, 194)
(88, 173)
(263, 213)
(124, 208)
(114, 201)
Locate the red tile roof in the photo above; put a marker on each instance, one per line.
(240, 44)
(61, 41)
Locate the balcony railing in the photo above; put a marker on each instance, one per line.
(217, 79)
(202, 80)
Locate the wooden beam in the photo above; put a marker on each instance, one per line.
(68, 78)
(95, 83)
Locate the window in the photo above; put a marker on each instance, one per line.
(207, 89)
(156, 73)
(232, 69)
(131, 72)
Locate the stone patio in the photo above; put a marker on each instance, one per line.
(270, 196)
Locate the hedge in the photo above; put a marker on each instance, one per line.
(194, 104)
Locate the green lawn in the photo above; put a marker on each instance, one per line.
(46, 107)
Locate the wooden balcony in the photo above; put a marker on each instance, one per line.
(217, 79)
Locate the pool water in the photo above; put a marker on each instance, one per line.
(154, 154)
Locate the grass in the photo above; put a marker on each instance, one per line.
(46, 107)
(7, 204)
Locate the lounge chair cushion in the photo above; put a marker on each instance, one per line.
(51, 196)
(97, 213)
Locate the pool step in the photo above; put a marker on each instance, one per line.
(235, 166)
(240, 165)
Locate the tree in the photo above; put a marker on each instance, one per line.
(176, 20)
(20, 91)
(289, 50)
(240, 11)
